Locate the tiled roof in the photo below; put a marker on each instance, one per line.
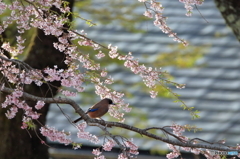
(214, 88)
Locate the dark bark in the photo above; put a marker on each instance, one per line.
(21, 144)
(230, 10)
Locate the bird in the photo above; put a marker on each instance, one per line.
(98, 109)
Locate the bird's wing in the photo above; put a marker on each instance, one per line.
(92, 110)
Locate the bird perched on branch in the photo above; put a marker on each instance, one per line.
(98, 109)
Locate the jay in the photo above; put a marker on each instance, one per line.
(98, 109)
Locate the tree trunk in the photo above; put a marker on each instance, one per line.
(230, 10)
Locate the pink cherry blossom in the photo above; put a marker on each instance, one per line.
(122, 156)
(155, 8)
(148, 14)
(39, 104)
(86, 135)
(173, 154)
(104, 73)
(189, 3)
(100, 157)
(96, 152)
(54, 135)
(107, 146)
(132, 146)
(113, 51)
(3, 6)
(12, 112)
(100, 54)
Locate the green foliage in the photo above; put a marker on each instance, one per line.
(224, 157)
(117, 12)
(76, 145)
(180, 56)
(133, 118)
(158, 150)
(192, 128)
(30, 125)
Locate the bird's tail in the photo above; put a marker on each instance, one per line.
(77, 120)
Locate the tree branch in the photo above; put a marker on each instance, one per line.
(91, 121)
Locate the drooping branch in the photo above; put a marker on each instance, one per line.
(144, 132)
(58, 100)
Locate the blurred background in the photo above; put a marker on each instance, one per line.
(209, 66)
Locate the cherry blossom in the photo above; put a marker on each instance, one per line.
(54, 135)
(96, 152)
(189, 3)
(39, 104)
(133, 147)
(86, 135)
(107, 146)
(100, 54)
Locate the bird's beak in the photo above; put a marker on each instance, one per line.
(113, 104)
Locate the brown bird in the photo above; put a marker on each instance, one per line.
(98, 109)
